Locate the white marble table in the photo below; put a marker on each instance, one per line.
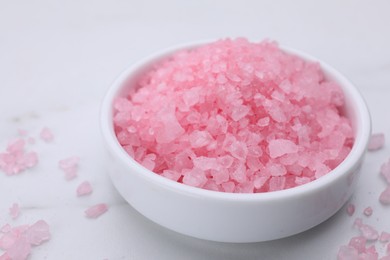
(57, 59)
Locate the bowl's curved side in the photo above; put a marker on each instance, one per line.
(233, 217)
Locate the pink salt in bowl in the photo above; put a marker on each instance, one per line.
(234, 217)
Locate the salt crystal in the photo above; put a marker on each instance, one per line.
(69, 166)
(385, 171)
(38, 233)
(369, 232)
(384, 198)
(15, 159)
(368, 211)
(46, 135)
(377, 141)
(279, 147)
(347, 253)
(96, 210)
(84, 188)
(14, 211)
(359, 243)
(384, 237)
(256, 106)
(350, 209)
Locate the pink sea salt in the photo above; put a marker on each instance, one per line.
(368, 211)
(70, 167)
(384, 237)
(84, 188)
(46, 135)
(96, 210)
(369, 232)
(17, 242)
(385, 170)
(350, 209)
(275, 118)
(14, 210)
(377, 141)
(15, 159)
(384, 197)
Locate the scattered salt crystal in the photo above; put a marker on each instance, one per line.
(385, 171)
(384, 237)
(368, 211)
(37, 233)
(369, 232)
(96, 210)
(14, 210)
(384, 198)
(350, 209)
(84, 188)
(270, 112)
(70, 167)
(17, 242)
(377, 141)
(46, 135)
(359, 243)
(347, 253)
(15, 160)
(358, 222)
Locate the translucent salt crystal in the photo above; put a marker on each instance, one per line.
(377, 141)
(369, 232)
(14, 211)
(276, 169)
(259, 181)
(263, 121)
(239, 173)
(96, 210)
(358, 222)
(368, 211)
(350, 209)
(239, 112)
(172, 175)
(5, 229)
(277, 183)
(228, 186)
(384, 198)
(85, 188)
(20, 250)
(206, 163)
(195, 177)
(200, 138)
(38, 233)
(385, 171)
(46, 135)
(70, 167)
(347, 253)
(384, 237)
(359, 243)
(279, 147)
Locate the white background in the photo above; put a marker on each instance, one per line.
(57, 59)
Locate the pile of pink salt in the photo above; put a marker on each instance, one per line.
(235, 116)
(17, 242)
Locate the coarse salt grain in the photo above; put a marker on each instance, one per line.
(377, 141)
(384, 197)
(17, 242)
(350, 209)
(84, 188)
(369, 232)
(385, 170)
(14, 210)
(69, 166)
(96, 210)
(46, 135)
(384, 237)
(368, 211)
(15, 159)
(270, 106)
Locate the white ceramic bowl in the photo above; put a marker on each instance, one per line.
(228, 217)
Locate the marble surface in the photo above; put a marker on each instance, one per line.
(57, 59)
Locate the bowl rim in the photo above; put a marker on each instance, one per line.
(362, 134)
